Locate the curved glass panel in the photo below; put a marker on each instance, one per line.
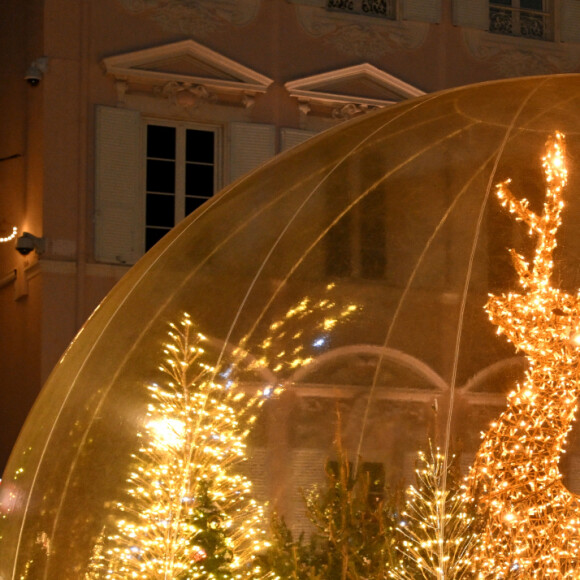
(351, 272)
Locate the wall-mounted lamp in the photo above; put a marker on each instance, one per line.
(28, 242)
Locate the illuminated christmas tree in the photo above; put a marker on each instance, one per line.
(438, 531)
(189, 514)
(531, 521)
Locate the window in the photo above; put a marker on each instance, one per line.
(356, 243)
(150, 174)
(378, 8)
(371, 474)
(526, 18)
(180, 174)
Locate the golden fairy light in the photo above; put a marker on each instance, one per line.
(304, 330)
(531, 522)
(436, 527)
(9, 237)
(188, 513)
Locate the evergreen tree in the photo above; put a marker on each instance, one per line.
(354, 530)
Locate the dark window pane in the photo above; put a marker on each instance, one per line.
(532, 4)
(199, 180)
(500, 236)
(372, 237)
(152, 236)
(192, 203)
(161, 176)
(375, 472)
(199, 146)
(338, 248)
(160, 210)
(160, 142)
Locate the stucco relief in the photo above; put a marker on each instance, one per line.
(196, 17)
(509, 59)
(359, 35)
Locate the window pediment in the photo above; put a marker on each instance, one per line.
(186, 66)
(355, 89)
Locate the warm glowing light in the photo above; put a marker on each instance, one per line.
(166, 432)
(10, 237)
(526, 511)
(189, 512)
(437, 525)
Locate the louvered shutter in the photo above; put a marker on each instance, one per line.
(422, 10)
(471, 13)
(570, 21)
(118, 203)
(292, 137)
(251, 145)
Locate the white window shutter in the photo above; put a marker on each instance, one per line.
(117, 185)
(471, 14)
(251, 145)
(570, 21)
(422, 10)
(292, 137)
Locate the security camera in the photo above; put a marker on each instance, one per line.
(33, 76)
(26, 243)
(35, 71)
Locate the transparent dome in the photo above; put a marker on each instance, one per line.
(351, 273)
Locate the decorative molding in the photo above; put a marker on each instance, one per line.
(195, 17)
(350, 91)
(187, 73)
(348, 111)
(184, 95)
(514, 56)
(361, 36)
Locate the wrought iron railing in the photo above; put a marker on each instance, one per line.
(524, 22)
(377, 8)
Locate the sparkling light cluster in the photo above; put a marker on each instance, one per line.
(306, 327)
(531, 521)
(185, 470)
(437, 526)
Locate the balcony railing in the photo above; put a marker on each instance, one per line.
(524, 22)
(377, 8)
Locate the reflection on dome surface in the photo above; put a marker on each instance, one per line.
(351, 273)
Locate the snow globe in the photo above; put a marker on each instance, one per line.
(330, 305)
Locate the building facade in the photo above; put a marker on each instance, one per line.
(119, 118)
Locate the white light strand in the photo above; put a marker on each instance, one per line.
(10, 237)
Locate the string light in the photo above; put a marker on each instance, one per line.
(308, 322)
(531, 521)
(436, 526)
(10, 237)
(189, 513)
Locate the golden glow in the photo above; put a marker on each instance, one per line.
(530, 520)
(10, 237)
(436, 526)
(192, 444)
(307, 326)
